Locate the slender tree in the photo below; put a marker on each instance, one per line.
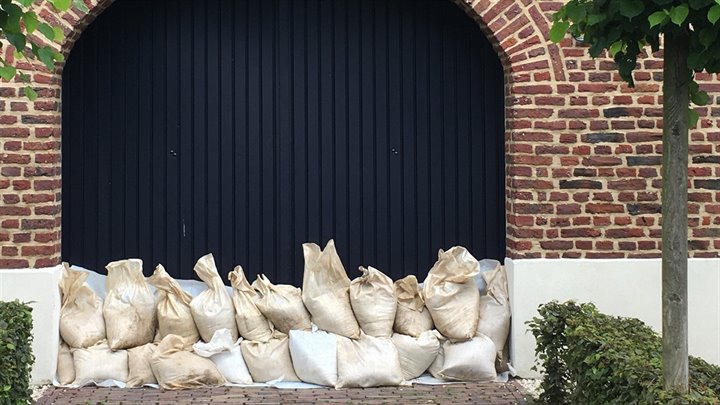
(687, 30)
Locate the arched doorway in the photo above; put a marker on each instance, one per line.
(246, 129)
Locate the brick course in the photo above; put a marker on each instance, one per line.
(583, 149)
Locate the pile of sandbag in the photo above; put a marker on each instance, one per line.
(336, 332)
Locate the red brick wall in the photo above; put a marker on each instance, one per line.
(583, 149)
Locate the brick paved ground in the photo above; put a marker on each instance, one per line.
(471, 393)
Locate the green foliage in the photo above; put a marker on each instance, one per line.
(16, 357)
(592, 358)
(18, 22)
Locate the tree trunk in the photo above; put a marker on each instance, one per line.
(674, 212)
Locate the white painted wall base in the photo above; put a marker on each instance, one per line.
(40, 286)
(625, 287)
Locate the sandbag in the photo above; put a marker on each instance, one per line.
(65, 366)
(226, 355)
(373, 301)
(175, 367)
(268, 361)
(139, 369)
(494, 319)
(282, 304)
(173, 307)
(314, 356)
(416, 353)
(484, 266)
(451, 295)
(411, 317)
(251, 323)
(472, 360)
(368, 362)
(129, 308)
(212, 309)
(325, 291)
(81, 314)
(99, 363)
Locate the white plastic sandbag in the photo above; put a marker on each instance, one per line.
(411, 318)
(367, 362)
(213, 308)
(139, 369)
(372, 296)
(251, 323)
(129, 308)
(175, 367)
(65, 366)
(472, 360)
(99, 363)
(173, 307)
(226, 355)
(451, 295)
(269, 361)
(282, 304)
(81, 315)
(325, 290)
(416, 353)
(494, 319)
(314, 356)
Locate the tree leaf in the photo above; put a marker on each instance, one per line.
(30, 93)
(47, 31)
(59, 34)
(17, 40)
(700, 98)
(707, 36)
(615, 48)
(80, 5)
(31, 21)
(61, 5)
(594, 19)
(631, 8)
(693, 118)
(7, 72)
(45, 54)
(713, 14)
(558, 30)
(658, 18)
(13, 20)
(24, 3)
(576, 11)
(678, 14)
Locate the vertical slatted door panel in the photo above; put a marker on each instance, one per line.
(247, 128)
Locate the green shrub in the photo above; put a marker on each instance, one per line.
(592, 358)
(16, 356)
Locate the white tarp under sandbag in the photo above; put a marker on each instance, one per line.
(269, 361)
(176, 367)
(451, 295)
(81, 314)
(416, 354)
(325, 291)
(173, 307)
(213, 308)
(372, 296)
(282, 304)
(411, 318)
(314, 356)
(99, 363)
(129, 308)
(368, 362)
(226, 355)
(494, 319)
(251, 323)
(139, 369)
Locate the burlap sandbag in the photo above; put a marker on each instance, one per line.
(175, 367)
(65, 366)
(372, 296)
(98, 363)
(213, 308)
(139, 369)
(472, 360)
(325, 291)
(251, 323)
(226, 355)
(411, 317)
(173, 307)
(368, 362)
(495, 313)
(81, 315)
(416, 353)
(282, 304)
(451, 295)
(268, 361)
(129, 310)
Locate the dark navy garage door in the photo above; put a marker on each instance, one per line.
(245, 128)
